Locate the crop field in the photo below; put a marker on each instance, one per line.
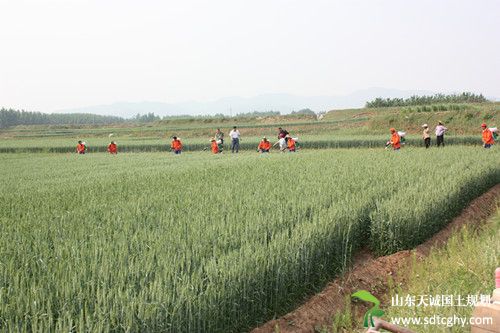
(156, 144)
(145, 242)
(353, 128)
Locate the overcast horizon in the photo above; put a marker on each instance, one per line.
(66, 54)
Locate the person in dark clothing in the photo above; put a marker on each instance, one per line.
(282, 133)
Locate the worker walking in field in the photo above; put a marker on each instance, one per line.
(264, 146)
(395, 140)
(290, 143)
(214, 146)
(112, 148)
(488, 139)
(440, 129)
(80, 147)
(235, 140)
(176, 145)
(426, 136)
(219, 137)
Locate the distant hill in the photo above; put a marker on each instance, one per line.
(284, 103)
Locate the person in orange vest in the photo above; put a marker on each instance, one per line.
(112, 148)
(80, 148)
(176, 145)
(290, 143)
(488, 139)
(264, 146)
(395, 141)
(214, 146)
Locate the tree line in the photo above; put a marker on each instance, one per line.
(465, 97)
(11, 117)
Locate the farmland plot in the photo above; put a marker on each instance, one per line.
(155, 242)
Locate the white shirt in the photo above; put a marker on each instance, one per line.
(282, 143)
(235, 134)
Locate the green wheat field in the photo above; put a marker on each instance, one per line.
(144, 242)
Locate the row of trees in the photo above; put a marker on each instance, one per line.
(253, 114)
(11, 117)
(256, 114)
(146, 118)
(465, 97)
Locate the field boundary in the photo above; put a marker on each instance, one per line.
(374, 274)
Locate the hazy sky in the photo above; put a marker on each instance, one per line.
(68, 53)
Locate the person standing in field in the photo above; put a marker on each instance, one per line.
(426, 136)
(80, 148)
(235, 139)
(176, 145)
(219, 137)
(440, 129)
(290, 143)
(282, 139)
(112, 148)
(282, 133)
(264, 146)
(488, 139)
(395, 141)
(214, 146)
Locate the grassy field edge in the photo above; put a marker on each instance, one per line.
(464, 266)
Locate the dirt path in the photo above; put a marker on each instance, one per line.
(373, 274)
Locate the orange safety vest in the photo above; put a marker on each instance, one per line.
(215, 147)
(112, 149)
(488, 137)
(395, 140)
(176, 145)
(264, 145)
(80, 148)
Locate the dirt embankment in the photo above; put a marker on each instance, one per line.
(375, 274)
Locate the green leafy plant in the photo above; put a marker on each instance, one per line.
(374, 311)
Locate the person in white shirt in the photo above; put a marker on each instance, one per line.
(440, 129)
(235, 139)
